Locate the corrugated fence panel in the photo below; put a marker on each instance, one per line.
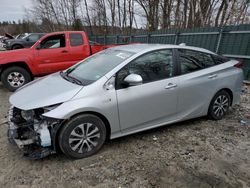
(140, 38)
(229, 40)
(111, 40)
(162, 39)
(233, 43)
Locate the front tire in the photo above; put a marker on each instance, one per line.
(219, 105)
(82, 136)
(16, 47)
(15, 77)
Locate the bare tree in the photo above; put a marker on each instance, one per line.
(150, 8)
(111, 16)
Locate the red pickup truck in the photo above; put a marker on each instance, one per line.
(53, 52)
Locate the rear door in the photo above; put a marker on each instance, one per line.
(198, 83)
(79, 49)
(52, 54)
(153, 102)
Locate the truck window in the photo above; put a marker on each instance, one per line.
(55, 41)
(76, 39)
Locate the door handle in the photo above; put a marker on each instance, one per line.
(64, 51)
(212, 76)
(171, 85)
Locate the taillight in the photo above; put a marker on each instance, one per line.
(239, 64)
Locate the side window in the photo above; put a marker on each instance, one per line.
(219, 59)
(55, 41)
(191, 61)
(33, 38)
(151, 67)
(76, 39)
(206, 60)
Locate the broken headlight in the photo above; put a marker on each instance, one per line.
(28, 115)
(49, 108)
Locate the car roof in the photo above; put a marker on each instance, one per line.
(137, 48)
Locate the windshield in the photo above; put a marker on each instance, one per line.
(26, 36)
(93, 68)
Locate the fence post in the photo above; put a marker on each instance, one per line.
(117, 39)
(105, 39)
(131, 39)
(148, 38)
(219, 40)
(176, 38)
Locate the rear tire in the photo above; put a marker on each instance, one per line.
(82, 136)
(219, 105)
(15, 77)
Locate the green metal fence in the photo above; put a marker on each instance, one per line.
(230, 41)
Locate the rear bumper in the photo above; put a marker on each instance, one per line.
(238, 88)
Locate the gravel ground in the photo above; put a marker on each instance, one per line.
(195, 153)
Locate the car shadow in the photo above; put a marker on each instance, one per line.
(112, 144)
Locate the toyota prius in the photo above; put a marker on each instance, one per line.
(121, 91)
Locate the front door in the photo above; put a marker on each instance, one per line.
(52, 55)
(154, 101)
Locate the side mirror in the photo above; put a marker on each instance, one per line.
(27, 39)
(133, 79)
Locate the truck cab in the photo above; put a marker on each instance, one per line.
(53, 52)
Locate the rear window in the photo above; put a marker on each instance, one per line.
(219, 59)
(76, 39)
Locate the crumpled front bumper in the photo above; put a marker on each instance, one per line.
(30, 146)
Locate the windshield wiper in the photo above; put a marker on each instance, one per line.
(71, 79)
(68, 71)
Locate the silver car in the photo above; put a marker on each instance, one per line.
(121, 91)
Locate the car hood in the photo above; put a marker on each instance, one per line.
(24, 52)
(46, 91)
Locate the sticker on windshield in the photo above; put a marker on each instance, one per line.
(123, 55)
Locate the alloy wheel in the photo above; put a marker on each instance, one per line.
(221, 105)
(84, 138)
(16, 79)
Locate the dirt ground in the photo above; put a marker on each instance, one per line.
(195, 153)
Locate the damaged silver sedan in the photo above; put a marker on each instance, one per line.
(120, 91)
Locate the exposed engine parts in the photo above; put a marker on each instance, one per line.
(32, 132)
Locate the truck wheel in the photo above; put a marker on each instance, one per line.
(15, 77)
(17, 46)
(82, 136)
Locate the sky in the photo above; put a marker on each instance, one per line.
(13, 9)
